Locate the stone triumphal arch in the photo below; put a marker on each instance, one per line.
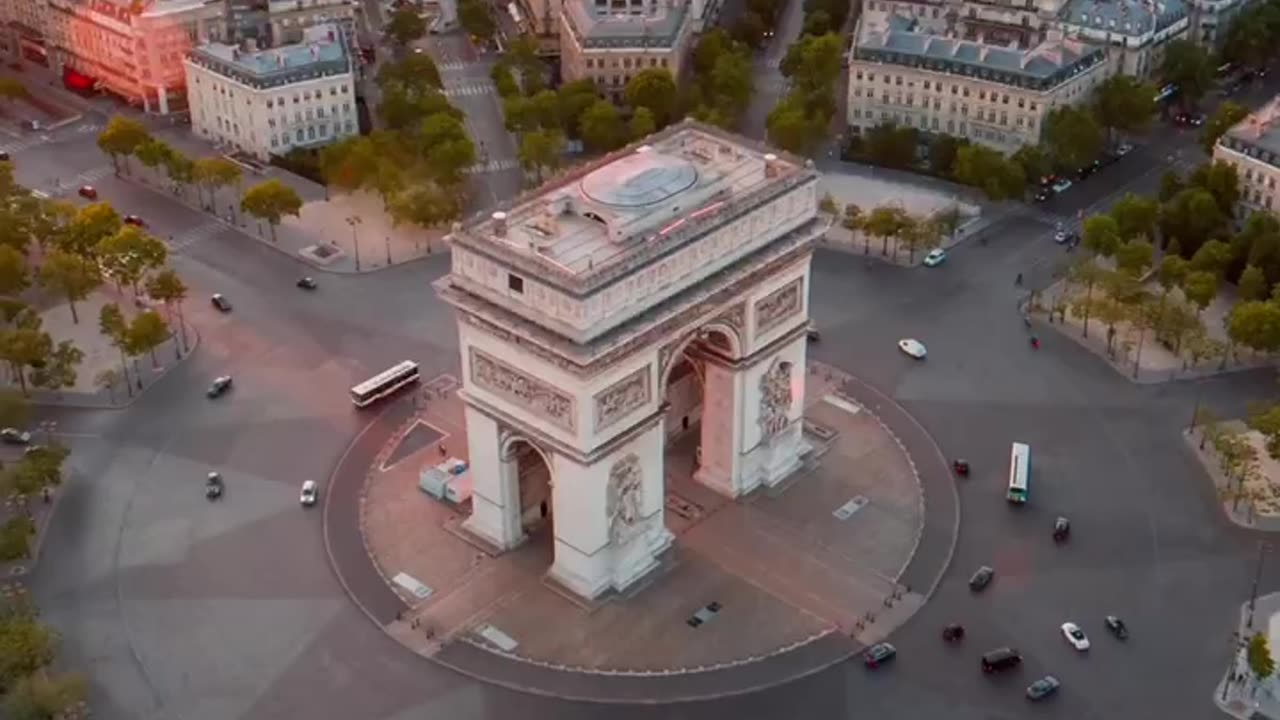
(576, 303)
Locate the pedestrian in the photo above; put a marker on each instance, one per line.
(1018, 280)
(443, 452)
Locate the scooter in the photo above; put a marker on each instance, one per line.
(1035, 343)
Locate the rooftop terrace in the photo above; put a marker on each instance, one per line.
(1134, 18)
(635, 204)
(1258, 135)
(655, 24)
(322, 52)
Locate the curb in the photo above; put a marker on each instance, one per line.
(137, 395)
(131, 179)
(465, 657)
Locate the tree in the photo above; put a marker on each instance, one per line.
(1190, 67)
(1193, 217)
(1253, 284)
(1255, 324)
(121, 138)
(169, 289)
(1252, 34)
(425, 204)
(405, 25)
(573, 99)
(416, 73)
(792, 127)
(271, 200)
(215, 173)
(984, 168)
(814, 63)
(87, 228)
(541, 150)
(602, 127)
(1225, 117)
(1212, 257)
(1266, 420)
(885, 222)
(1221, 181)
(444, 146)
(1072, 136)
(108, 379)
(1101, 235)
(111, 323)
(918, 235)
(39, 468)
(1136, 216)
(14, 274)
(1201, 288)
(1171, 183)
(147, 332)
(1134, 256)
(127, 255)
(943, 152)
(1087, 273)
(1122, 102)
(12, 89)
(25, 647)
(72, 276)
(1033, 161)
(15, 538)
(642, 123)
(1258, 657)
(474, 17)
(889, 145)
(180, 168)
(152, 153)
(41, 696)
(1258, 243)
(59, 370)
(654, 89)
(350, 163)
(504, 81)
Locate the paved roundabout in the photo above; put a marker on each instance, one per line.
(179, 608)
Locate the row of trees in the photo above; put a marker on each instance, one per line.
(910, 232)
(407, 24)
(1253, 34)
(269, 201)
(801, 120)
(28, 648)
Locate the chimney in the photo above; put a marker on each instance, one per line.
(771, 165)
(500, 224)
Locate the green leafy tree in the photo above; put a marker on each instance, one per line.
(474, 17)
(152, 153)
(792, 127)
(13, 89)
(655, 90)
(1085, 273)
(1212, 257)
(426, 205)
(944, 150)
(813, 64)
(1221, 181)
(1225, 117)
(25, 347)
(215, 173)
(26, 646)
(167, 287)
(890, 145)
(14, 274)
(1072, 136)
(1034, 162)
(920, 234)
(642, 124)
(1134, 256)
(1258, 243)
(446, 149)
(71, 276)
(1101, 235)
(1200, 287)
(541, 150)
(1253, 284)
(574, 98)
(416, 73)
(602, 127)
(15, 539)
(39, 468)
(349, 164)
(984, 168)
(43, 696)
(405, 25)
(15, 410)
(1122, 102)
(1251, 36)
(271, 200)
(1190, 66)
(181, 170)
(1171, 183)
(504, 81)
(545, 106)
(1266, 420)
(121, 138)
(147, 332)
(1255, 324)
(885, 222)
(1258, 657)
(87, 228)
(1193, 217)
(112, 325)
(1136, 216)
(129, 254)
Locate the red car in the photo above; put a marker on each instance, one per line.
(134, 220)
(88, 192)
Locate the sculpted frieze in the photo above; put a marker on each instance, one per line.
(530, 394)
(779, 305)
(624, 499)
(622, 398)
(775, 399)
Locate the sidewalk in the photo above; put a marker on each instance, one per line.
(1237, 694)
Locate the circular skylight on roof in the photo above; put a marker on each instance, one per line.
(639, 180)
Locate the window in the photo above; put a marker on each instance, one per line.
(515, 283)
(298, 135)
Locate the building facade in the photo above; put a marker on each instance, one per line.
(23, 26)
(610, 41)
(267, 102)
(910, 67)
(1211, 18)
(1253, 148)
(589, 311)
(1135, 32)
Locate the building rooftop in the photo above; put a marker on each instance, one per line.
(322, 52)
(634, 205)
(900, 39)
(1134, 18)
(655, 24)
(1258, 135)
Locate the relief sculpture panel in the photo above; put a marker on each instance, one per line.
(535, 396)
(779, 305)
(623, 397)
(624, 499)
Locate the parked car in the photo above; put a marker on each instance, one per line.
(1194, 120)
(135, 221)
(1043, 688)
(1062, 185)
(879, 654)
(1117, 627)
(1043, 194)
(219, 387)
(220, 302)
(88, 192)
(14, 436)
(4, 156)
(1124, 149)
(981, 579)
(1075, 636)
(936, 257)
(310, 492)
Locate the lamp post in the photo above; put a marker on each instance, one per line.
(353, 221)
(388, 238)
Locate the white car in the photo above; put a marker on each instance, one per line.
(914, 348)
(1062, 186)
(1075, 636)
(936, 257)
(1124, 149)
(310, 491)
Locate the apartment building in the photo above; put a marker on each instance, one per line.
(610, 41)
(1211, 18)
(267, 102)
(22, 31)
(1253, 147)
(909, 66)
(1135, 32)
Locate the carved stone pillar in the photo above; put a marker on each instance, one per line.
(495, 499)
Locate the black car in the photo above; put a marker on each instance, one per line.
(307, 283)
(213, 486)
(1117, 627)
(953, 633)
(1001, 659)
(1043, 688)
(220, 386)
(220, 302)
(982, 578)
(1061, 529)
(4, 156)
(1043, 194)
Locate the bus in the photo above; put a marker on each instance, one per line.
(1019, 473)
(384, 383)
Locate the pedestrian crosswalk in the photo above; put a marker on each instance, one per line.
(470, 89)
(191, 236)
(17, 145)
(450, 65)
(494, 166)
(87, 128)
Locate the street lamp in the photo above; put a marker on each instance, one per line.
(353, 221)
(388, 251)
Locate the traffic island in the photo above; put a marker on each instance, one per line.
(1248, 488)
(756, 592)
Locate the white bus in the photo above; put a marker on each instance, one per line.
(384, 383)
(1019, 473)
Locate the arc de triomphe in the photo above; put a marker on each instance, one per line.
(575, 304)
